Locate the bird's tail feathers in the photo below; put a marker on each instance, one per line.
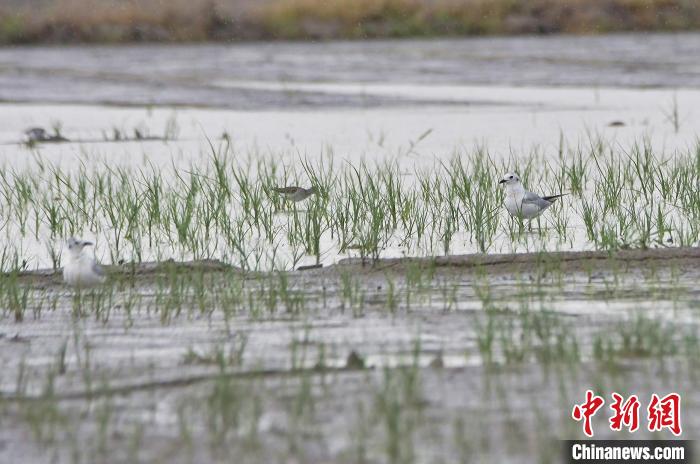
(554, 197)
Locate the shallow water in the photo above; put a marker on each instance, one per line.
(266, 396)
(188, 75)
(175, 371)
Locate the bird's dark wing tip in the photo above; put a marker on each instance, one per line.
(286, 189)
(554, 198)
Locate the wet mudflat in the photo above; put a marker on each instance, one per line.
(459, 359)
(405, 346)
(219, 75)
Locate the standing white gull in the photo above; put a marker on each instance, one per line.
(521, 203)
(81, 270)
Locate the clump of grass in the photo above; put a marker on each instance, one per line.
(672, 114)
(224, 207)
(13, 27)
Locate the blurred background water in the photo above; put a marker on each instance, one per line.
(219, 75)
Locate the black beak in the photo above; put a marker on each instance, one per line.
(87, 243)
(502, 181)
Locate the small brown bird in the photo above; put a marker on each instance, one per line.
(296, 193)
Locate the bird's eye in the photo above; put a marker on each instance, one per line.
(511, 177)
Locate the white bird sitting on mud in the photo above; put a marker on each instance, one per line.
(296, 194)
(522, 204)
(81, 270)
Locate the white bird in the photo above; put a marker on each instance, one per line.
(522, 204)
(81, 270)
(296, 194)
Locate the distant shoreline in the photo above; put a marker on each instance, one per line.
(70, 21)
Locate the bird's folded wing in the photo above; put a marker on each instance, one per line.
(533, 198)
(286, 189)
(97, 269)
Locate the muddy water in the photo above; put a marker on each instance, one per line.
(376, 363)
(394, 363)
(188, 75)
